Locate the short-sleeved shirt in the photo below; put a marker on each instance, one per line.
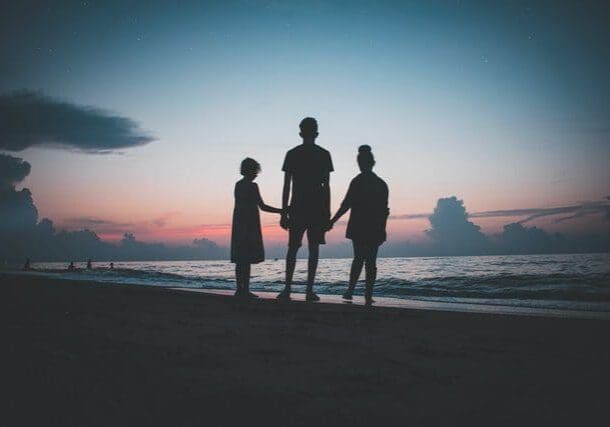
(309, 165)
(367, 197)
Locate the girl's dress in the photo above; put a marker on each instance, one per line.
(246, 236)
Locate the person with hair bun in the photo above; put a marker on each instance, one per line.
(246, 236)
(367, 198)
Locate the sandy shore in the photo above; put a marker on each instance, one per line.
(81, 353)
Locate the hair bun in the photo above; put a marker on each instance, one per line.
(364, 149)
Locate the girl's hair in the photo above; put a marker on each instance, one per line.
(249, 167)
(365, 157)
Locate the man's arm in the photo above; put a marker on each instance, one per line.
(285, 200)
(326, 183)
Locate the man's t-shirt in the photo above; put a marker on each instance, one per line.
(309, 165)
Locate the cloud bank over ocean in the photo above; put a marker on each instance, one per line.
(451, 232)
(22, 235)
(29, 119)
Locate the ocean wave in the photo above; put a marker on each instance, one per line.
(475, 278)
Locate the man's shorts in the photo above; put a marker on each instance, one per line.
(315, 235)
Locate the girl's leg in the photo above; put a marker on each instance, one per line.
(239, 278)
(370, 268)
(246, 278)
(242, 276)
(355, 271)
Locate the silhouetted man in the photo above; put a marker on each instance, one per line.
(307, 170)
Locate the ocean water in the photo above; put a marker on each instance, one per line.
(566, 282)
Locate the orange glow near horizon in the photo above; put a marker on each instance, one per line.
(398, 230)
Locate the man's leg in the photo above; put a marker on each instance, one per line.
(291, 260)
(314, 238)
(295, 236)
(312, 264)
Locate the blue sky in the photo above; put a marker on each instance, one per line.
(504, 105)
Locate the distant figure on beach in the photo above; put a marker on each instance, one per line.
(27, 265)
(71, 266)
(89, 265)
(307, 169)
(246, 236)
(112, 265)
(367, 197)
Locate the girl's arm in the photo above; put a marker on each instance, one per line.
(266, 208)
(345, 206)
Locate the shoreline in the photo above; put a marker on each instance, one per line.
(86, 353)
(463, 305)
(415, 304)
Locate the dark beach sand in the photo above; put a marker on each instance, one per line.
(81, 353)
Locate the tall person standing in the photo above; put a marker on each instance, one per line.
(305, 203)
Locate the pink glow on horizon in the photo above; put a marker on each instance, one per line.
(413, 230)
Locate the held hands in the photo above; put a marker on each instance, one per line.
(284, 220)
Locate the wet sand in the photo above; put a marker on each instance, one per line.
(413, 304)
(83, 353)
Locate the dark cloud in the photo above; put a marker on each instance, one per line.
(42, 242)
(105, 226)
(22, 236)
(30, 119)
(163, 220)
(517, 238)
(410, 216)
(131, 249)
(586, 209)
(17, 210)
(529, 213)
(13, 170)
(203, 242)
(568, 212)
(452, 232)
(102, 226)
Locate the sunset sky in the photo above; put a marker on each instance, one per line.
(504, 105)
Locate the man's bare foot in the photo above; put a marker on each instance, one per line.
(311, 296)
(284, 295)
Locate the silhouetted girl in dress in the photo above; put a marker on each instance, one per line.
(246, 237)
(367, 197)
